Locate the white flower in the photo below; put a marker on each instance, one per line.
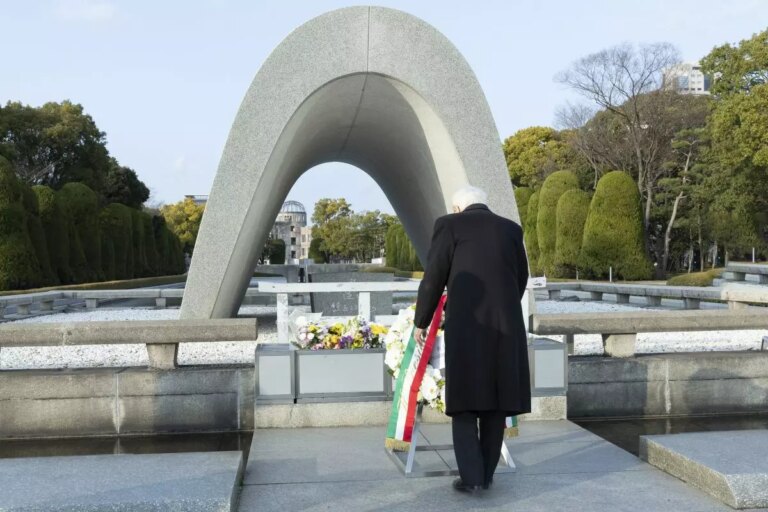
(429, 388)
(393, 358)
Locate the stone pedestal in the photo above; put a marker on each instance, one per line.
(653, 301)
(162, 356)
(619, 345)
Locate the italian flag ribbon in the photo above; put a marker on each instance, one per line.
(405, 400)
(412, 368)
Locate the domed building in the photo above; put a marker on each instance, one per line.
(291, 227)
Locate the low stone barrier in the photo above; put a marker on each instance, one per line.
(619, 330)
(739, 271)
(160, 336)
(739, 295)
(691, 295)
(92, 298)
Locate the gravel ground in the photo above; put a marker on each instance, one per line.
(242, 352)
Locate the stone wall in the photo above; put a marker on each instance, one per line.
(668, 384)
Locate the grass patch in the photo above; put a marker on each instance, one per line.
(416, 274)
(125, 284)
(696, 278)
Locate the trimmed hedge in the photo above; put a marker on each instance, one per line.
(554, 186)
(529, 234)
(150, 248)
(56, 228)
(81, 206)
(613, 234)
(52, 237)
(37, 236)
(19, 267)
(140, 267)
(696, 278)
(522, 196)
(116, 221)
(572, 210)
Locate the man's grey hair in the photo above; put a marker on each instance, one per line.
(468, 195)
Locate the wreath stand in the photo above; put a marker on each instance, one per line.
(405, 460)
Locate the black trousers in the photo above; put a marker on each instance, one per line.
(478, 455)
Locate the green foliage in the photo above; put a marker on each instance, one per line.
(613, 234)
(522, 196)
(122, 185)
(150, 249)
(19, 267)
(57, 229)
(81, 206)
(59, 143)
(534, 153)
(738, 68)
(140, 265)
(530, 236)
(276, 252)
(696, 278)
(346, 235)
(572, 209)
(117, 226)
(183, 219)
(546, 219)
(400, 251)
(37, 236)
(108, 258)
(314, 250)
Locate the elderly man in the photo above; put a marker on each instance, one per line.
(481, 258)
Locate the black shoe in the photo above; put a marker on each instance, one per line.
(488, 484)
(460, 486)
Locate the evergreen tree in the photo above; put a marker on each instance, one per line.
(546, 220)
(613, 234)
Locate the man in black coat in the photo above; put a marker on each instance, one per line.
(481, 258)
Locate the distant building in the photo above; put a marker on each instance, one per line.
(687, 79)
(197, 199)
(291, 227)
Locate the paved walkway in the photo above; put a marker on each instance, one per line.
(560, 467)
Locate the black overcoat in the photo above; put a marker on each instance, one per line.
(481, 258)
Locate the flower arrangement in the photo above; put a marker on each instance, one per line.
(357, 333)
(432, 389)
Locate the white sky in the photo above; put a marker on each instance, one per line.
(164, 79)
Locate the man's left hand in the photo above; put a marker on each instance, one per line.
(420, 335)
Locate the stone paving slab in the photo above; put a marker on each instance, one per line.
(568, 492)
(732, 466)
(203, 481)
(340, 454)
(561, 466)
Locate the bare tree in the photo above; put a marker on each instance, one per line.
(594, 135)
(617, 79)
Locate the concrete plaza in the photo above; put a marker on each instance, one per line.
(560, 467)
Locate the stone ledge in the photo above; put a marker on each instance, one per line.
(730, 466)
(357, 414)
(205, 481)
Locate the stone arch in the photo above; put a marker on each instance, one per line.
(370, 86)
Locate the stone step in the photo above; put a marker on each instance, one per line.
(198, 482)
(731, 466)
